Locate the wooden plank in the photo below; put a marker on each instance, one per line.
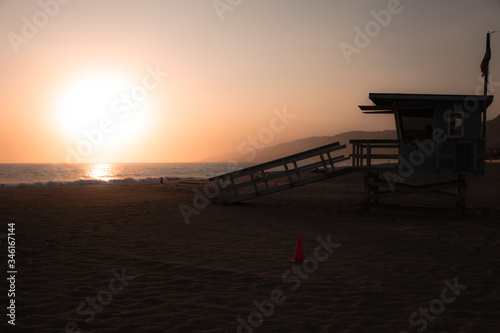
(376, 108)
(432, 190)
(253, 182)
(284, 187)
(353, 156)
(399, 192)
(428, 187)
(233, 187)
(296, 168)
(281, 174)
(289, 176)
(369, 155)
(378, 156)
(264, 177)
(357, 141)
(248, 189)
(388, 146)
(288, 159)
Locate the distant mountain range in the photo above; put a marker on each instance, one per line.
(296, 146)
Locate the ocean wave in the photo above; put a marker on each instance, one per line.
(83, 182)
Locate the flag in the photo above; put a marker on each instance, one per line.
(487, 56)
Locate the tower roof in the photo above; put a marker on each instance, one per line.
(388, 102)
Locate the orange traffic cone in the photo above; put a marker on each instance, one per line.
(299, 252)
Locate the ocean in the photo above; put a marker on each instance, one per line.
(47, 175)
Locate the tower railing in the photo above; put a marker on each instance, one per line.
(365, 152)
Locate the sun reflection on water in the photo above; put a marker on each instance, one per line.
(101, 172)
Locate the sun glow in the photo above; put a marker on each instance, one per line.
(101, 172)
(98, 108)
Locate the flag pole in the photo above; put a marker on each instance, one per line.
(487, 65)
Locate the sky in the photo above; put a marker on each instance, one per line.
(181, 81)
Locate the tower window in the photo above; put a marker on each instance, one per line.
(456, 125)
(416, 123)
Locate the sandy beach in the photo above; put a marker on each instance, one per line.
(121, 258)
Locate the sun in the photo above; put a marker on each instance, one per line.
(97, 108)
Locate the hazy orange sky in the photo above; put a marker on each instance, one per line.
(85, 80)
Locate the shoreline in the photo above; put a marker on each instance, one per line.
(90, 182)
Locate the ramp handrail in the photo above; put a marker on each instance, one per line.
(256, 180)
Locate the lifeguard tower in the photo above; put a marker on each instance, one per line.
(436, 134)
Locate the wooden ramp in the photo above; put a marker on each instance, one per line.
(281, 174)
